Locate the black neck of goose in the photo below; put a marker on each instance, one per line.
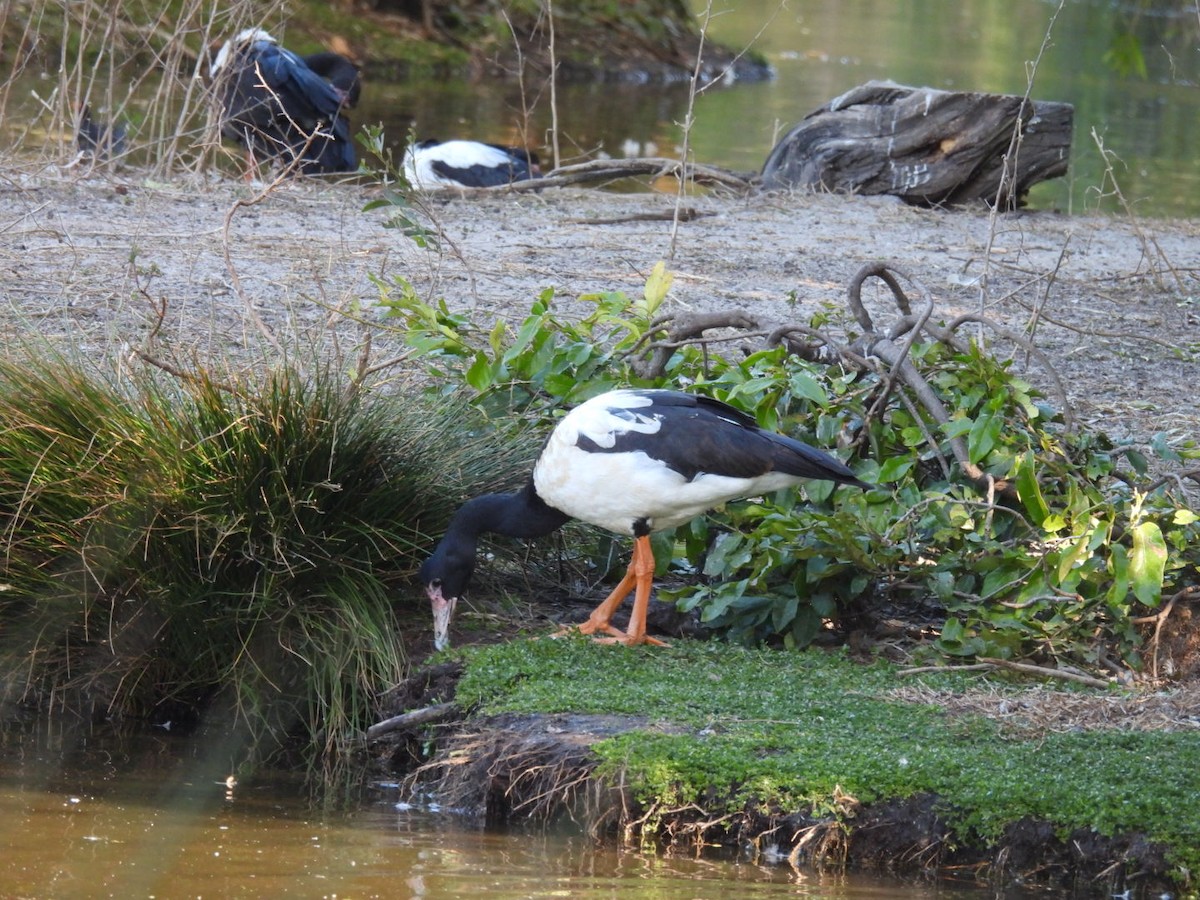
(520, 515)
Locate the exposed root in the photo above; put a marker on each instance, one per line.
(512, 768)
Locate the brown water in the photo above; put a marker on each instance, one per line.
(97, 813)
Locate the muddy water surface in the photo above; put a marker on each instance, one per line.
(94, 813)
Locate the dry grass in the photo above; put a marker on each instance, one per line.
(142, 65)
(1042, 710)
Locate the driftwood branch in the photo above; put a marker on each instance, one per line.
(1044, 672)
(416, 717)
(601, 170)
(883, 346)
(681, 330)
(817, 346)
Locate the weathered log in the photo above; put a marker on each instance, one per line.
(926, 146)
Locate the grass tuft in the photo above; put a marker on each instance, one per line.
(178, 547)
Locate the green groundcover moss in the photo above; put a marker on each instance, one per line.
(786, 729)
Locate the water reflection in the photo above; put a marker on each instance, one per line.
(593, 118)
(97, 812)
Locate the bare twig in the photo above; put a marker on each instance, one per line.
(688, 120)
(1041, 303)
(941, 670)
(1014, 148)
(236, 281)
(687, 214)
(1151, 251)
(182, 374)
(554, 130)
(1160, 619)
(1100, 332)
(1044, 672)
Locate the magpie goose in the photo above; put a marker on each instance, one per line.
(277, 107)
(100, 140)
(339, 71)
(471, 164)
(634, 462)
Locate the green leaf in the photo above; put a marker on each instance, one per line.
(1072, 557)
(656, 289)
(894, 469)
(479, 375)
(529, 329)
(663, 545)
(560, 385)
(1118, 565)
(804, 385)
(1163, 450)
(983, 435)
(727, 545)
(943, 586)
(958, 427)
(1138, 460)
(805, 626)
(783, 611)
(1053, 523)
(952, 630)
(726, 596)
(1184, 517)
(496, 338)
(1030, 491)
(1148, 563)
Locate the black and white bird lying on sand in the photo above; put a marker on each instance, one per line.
(280, 109)
(434, 164)
(634, 462)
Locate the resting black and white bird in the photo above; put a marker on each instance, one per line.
(99, 140)
(278, 108)
(340, 71)
(634, 462)
(470, 164)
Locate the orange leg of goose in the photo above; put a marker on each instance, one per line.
(639, 578)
